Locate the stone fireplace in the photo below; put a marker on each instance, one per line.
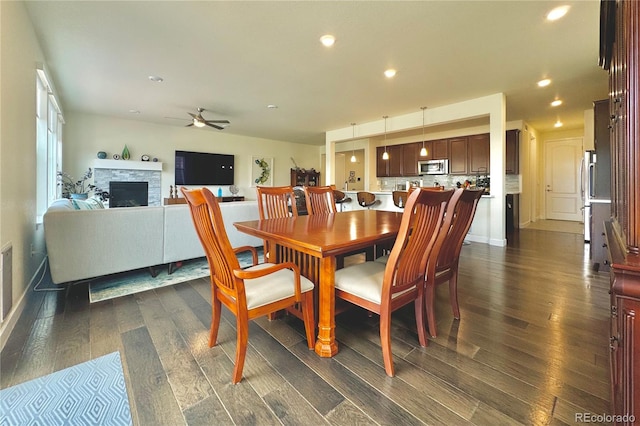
(106, 171)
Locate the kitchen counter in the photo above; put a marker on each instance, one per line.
(481, 227)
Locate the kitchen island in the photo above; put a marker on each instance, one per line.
(480, 230)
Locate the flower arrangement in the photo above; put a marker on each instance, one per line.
(82, 186)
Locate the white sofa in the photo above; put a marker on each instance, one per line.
(84, 244)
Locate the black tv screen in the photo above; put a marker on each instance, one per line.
(203, 168)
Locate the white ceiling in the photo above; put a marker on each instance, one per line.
(233, 58)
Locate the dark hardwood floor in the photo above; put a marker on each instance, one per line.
(531, 348)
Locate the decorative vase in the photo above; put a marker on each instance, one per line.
(102, 155)
(79, 196)
(125, 153)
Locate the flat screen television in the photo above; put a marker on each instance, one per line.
(203, 168)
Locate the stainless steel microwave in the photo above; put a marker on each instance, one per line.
(433, 167)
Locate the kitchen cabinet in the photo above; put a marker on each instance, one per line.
(393, 167)
(440, 149)
(410, 158)
(458, 162)
(478, 149)
(512, 154)
(301, 177)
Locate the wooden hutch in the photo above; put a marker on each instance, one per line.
(619, 54)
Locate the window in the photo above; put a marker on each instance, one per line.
(49, 123)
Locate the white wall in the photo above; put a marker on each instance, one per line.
(86, 134)
(19, 53)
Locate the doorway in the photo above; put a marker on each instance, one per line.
(563, 200)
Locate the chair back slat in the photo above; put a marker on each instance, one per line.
(276, 201)
(462, 216)
(418, 231)
(207, 219)
(320, 200)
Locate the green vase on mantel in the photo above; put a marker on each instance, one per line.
(125, 153)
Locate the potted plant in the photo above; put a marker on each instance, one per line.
(79, 189)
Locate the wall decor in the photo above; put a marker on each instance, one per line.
(261, 171)
(116, 156)
(145, 157)
(125, 153)
(102, 155)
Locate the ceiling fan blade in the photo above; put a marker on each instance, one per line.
(218, 121)
(215, 126)
(193, 115)
(189, 125)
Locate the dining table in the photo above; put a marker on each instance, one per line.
(315, 243)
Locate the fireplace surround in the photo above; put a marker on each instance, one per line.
(106, 171)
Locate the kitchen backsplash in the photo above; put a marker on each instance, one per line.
(512, 182)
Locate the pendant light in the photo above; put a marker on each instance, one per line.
(385, 154)
(353, 141)
(423, 151)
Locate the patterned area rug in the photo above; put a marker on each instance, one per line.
(132, 282)
(91, 393)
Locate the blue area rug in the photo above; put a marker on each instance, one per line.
(132, 282)
(91, 393)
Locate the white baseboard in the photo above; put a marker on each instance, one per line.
(14, 314)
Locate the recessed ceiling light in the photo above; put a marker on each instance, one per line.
(134, 111)
(557, 13)
(156, 79)
(556, 103)
(558, 124)
(544, 83)
(272, 106)
(328, 40)
(390, 73)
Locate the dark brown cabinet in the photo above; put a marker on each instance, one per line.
(301, 177)
(410, 158)
(478, 148)
(512, 160)
(393, 167)
(440, 149)
(458, 163)
(619, 40)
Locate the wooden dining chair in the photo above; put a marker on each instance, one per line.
(320, 200)
(383, 288)
(248, 293)
(275, 201)
(442, 265)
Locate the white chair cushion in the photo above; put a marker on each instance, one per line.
(275, 286)
(364, 280)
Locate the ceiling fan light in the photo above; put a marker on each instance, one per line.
(198, 123)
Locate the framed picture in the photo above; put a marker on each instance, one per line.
(261, 171)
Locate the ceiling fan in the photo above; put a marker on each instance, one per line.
(199, 121)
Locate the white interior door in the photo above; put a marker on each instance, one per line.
(562, 179)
